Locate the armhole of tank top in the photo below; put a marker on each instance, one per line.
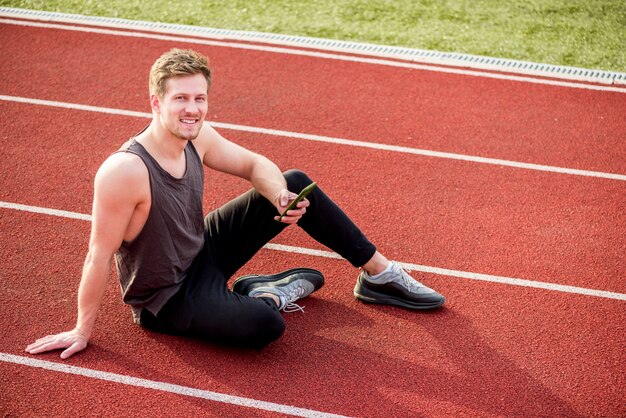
(128, 150)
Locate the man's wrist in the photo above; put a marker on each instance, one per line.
(83, 331)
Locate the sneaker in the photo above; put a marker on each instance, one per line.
(396, 287)
(289, 286)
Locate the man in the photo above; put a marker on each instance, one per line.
(174, 265)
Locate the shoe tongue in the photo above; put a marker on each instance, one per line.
(283, 302)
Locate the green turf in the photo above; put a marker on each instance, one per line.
(582, 33)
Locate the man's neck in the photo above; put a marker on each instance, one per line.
(161, 142)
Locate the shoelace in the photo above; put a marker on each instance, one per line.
(291, 297)
(293, 307)
(411, 284)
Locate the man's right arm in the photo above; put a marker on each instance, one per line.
(121, 186)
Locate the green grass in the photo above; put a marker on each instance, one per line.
(581, 33)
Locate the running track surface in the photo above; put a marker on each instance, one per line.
(494, 350)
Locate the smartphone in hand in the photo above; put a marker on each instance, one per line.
(304, 193)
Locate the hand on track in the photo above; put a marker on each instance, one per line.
(73, 341)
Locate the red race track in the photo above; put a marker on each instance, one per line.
(530, 258)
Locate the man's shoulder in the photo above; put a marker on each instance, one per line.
(206, 137)
(122, 178)
(124, 168)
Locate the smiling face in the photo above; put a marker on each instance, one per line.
(182, 108)
(179, 85)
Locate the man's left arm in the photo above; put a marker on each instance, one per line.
(220, 154)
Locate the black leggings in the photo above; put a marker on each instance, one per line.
(205, 308)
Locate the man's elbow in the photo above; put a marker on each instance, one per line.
(98, 257)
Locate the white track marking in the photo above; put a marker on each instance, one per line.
(76, 106)
(465, 274)
(453, 59)
(333, 140)
(417, 267)
(450, 59)
(323, 55)
(165, 387)
(46, 211)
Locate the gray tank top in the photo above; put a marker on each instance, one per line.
(152, 267)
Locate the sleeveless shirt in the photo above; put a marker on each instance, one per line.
(152, 267)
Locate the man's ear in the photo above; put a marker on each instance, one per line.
(155, 104)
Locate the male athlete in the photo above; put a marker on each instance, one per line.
(174, 264)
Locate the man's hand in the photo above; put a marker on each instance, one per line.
(294, 215)
(73, 341)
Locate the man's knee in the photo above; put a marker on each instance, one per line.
(266, 329)
(297, 179)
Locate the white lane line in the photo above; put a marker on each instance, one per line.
(165, 387)
(323, 55)
(466, 274)
(75, 106)
(45, 211)
(417, 267)
(334, 140)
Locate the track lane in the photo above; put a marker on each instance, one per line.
(59, 394)
(454, 113)
(494, 350)
(448, 214)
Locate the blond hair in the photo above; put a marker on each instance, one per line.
(177, 62)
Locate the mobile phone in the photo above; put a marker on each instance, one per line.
(304, 193)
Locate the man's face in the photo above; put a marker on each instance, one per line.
(184, 105)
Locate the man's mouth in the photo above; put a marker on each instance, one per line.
(189, 121)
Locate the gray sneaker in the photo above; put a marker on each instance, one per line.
(396, 287)
(289, 286)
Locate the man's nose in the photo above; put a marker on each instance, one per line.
(191, 107)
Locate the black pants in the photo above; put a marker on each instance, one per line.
(205, 308)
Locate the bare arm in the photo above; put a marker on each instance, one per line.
(119, 189)
(222, 155)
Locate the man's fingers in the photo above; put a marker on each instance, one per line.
(45, 346)
(38, 344)
(40, 341)
(294, 215)
(285, 197)
(74, 348)
(289, 219)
